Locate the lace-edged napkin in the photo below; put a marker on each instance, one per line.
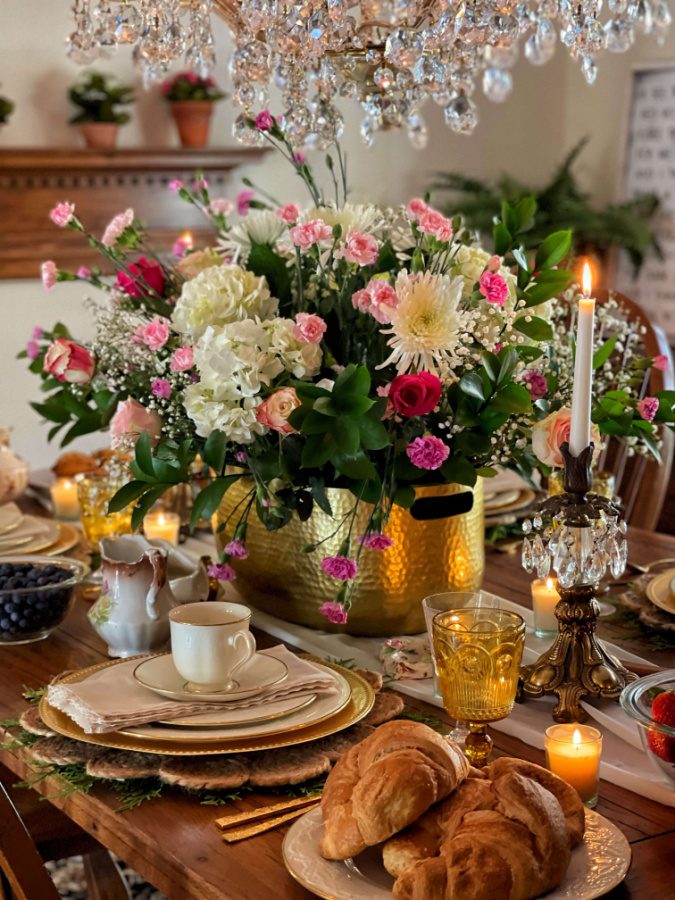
(111, 698)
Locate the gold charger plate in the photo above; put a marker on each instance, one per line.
(359, 705)
(67, 539)
(658, 591)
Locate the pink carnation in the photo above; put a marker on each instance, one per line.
(222, 571)
(427, 452)
(237, 549)
(264, 121)
(493, 287)
(175, 185)
(244, 201)
(288, 213)
(299, 157)
(116, 226)
(309, 233)
(48, 272)
(181, 246)
(32, 349)
(309, 328)
(535, 382)
(660, 362)
(359, 248)
(221, 206)
(37, 333)
(161, 388)
(494, 263)
(376, 541)
(182, 359)
(201, 184)
(416, 208)
(647, 408)
(341, 567)
(154, 335)
(83, 272)
(62, 214)
(377, 299)
(334, 612)
(436, 224)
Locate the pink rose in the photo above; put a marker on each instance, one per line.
(69, 362)
(377, 299)
(222, 571)
(554, 430)
(493, 287)
(237, 549)
(288, 213)
(435, 223)
(309, 233)
(175, 184)
(494, 263)
(647, 408)
(274, 412)
(359, 248)
(661, 362)
(142, 279)
(340, 567)
(154, 335)
(427, 452)
(83, 272)
(48, 273)
(416, 208)
(264, 121)
(131, 420)
(182, 359)
(309, 328)
(376, 541)
(334, 612)
(244, 201)
(414, 395)
(535, 382)
(62, 214)
(221, 206)
(116, 226)
(160, 387)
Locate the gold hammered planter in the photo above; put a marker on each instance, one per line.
(446, 554)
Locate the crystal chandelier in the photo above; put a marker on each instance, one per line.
(389, 56)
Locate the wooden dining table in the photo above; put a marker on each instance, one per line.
(173, 842)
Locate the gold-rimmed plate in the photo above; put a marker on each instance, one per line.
(658, 590)
(10, 517)
(68, 538)
(248, 716)
(360, 702)
(32, 536)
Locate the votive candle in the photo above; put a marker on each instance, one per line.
(64, 499)
(573, 753)
(162, 524)
(545, 598)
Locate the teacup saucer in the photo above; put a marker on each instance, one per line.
(159, 674)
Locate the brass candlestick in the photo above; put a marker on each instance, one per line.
(581, 535)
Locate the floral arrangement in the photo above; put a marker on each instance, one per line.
(340, 345)
(190, 86)
(98, 99)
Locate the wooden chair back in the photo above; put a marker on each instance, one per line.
(641, 482)
(20, 863)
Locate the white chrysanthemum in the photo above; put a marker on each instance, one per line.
(262, 226)
(220, 295)
(426, 324)
(352, 217)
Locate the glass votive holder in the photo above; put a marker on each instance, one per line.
(545, 598)
(573, 753)
(94, 493)
(162, 524)
(64, 498)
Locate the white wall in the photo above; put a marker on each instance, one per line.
(526, 136)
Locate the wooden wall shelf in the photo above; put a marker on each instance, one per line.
(101, 184)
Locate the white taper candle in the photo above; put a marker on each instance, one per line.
(580, 425)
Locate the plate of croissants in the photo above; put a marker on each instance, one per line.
(404, 813)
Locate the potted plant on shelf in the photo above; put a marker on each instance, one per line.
(98, 99)
(6, 109)
(192, 99)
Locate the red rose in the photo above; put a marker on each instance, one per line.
(142, 278)
(415, 395)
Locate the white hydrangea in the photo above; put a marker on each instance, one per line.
(300, 358)
(261, 226)
(224, 410)
(220, 295)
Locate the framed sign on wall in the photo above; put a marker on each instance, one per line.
(649, 167)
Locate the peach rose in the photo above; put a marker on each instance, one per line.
(69, 362)
(554, 430)
(131, 420)
(274, 412)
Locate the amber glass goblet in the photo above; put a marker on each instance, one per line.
(478, 653)
(94, 492)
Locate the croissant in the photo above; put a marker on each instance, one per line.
(385, 783)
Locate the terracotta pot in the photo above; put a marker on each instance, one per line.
(100, 135)
(428, 557)
(193, 120)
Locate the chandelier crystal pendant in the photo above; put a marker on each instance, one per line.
(389, 56)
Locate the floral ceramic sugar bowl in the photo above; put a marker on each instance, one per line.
(13, 469)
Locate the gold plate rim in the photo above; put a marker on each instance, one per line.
(67, 539)
(650, 591)
(358, 706)
(527, 495)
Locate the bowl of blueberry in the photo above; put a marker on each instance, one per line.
(35, 595)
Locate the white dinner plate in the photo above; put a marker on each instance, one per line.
(31, 535)
(500, 499)
(10, 517)
(659, 592)
(160, 675)
(323, 707)
(597, 865)
(247, 716)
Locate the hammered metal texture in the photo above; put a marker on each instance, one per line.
(427, 557)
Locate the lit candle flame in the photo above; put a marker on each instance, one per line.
(576, 737)
(160, 519)
(549, 584)
(586, 280)
(186, 240)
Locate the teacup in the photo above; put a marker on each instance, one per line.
(209, 642)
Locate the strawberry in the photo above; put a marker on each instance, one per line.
(663, 712)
